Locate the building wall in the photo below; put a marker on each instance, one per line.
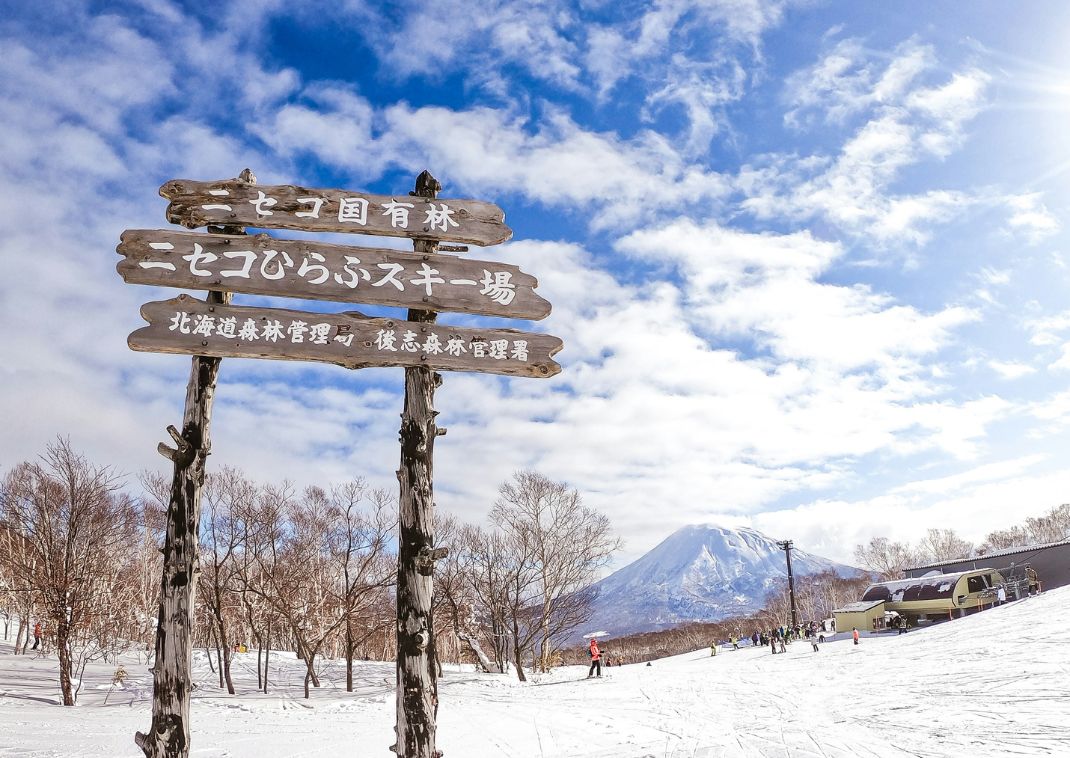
(862, 620)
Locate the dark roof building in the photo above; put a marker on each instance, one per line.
(1050, 561)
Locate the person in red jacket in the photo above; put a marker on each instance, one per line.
(36, 635)
(854, 634)
(596, 658)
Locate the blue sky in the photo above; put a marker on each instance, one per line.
(808, 258)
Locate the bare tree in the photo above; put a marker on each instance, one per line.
(558, 546)
(16, 584)
(939, 545)
(1001, 539)
(358, 540)
(492, 570)
(78, 524)
(293, 572)
(455, 596)
(887, 558)
(227, 494)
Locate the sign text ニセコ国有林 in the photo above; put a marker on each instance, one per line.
(232, 202)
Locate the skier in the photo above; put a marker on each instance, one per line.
(596, 658)
(854, 634)
(813, 642)
(36, 635)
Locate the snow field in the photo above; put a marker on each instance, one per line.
(993, 684)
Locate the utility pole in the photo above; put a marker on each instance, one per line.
(786, 546)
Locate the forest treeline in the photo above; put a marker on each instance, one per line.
(309, 570)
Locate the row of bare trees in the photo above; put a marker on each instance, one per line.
(889, 558)
(309, 571)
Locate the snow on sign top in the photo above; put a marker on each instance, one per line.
(235, 202)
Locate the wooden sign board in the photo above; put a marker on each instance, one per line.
(263, 265)
(190, 326)
(232, 202)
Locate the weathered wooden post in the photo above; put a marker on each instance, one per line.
(169, 735)
(417, 681)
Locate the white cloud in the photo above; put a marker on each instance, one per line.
(1046, 330)
(1011, 369)
(846, 82)
(603, 179)
(766, 286)
(1062, 363)
(1030, 219)
(434, 39)
(905, 123)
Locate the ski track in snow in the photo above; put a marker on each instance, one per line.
(994, 684)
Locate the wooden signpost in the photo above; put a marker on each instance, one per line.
(226, 261)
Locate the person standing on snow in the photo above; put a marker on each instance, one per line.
(36, 635)
(596, 658)
(854, 634)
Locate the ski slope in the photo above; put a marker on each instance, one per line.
(994, 684)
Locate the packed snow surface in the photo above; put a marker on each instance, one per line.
(992, 684)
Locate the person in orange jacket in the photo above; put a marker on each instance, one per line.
(854, 634)
(596, 658)
(36, 635)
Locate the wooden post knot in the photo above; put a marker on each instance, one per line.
(183, 454)
(425, 560)
(423, 639)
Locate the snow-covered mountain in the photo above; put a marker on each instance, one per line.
(700, 573)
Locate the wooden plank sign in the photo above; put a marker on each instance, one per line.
(187, 325)
(285, 206)
(263, 265)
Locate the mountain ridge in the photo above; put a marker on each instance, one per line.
(700, 572)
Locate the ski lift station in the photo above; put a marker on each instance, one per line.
(933, 597)
(1027, 568)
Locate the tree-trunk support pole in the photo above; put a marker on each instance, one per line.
(172, 681)
(417, 685)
